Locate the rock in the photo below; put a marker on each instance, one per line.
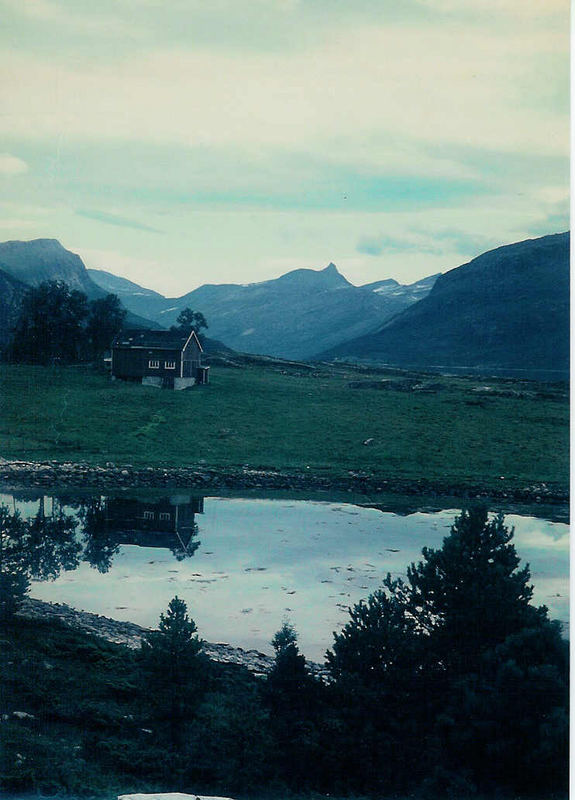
(169, 796)
(23, 715)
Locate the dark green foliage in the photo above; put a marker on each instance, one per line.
(50, 325)
(231, 741)
(451, 677)
(293, 696)
(14, 580)
(174, 671)
(427, 699)
(14, 586)
(189, 321)
(105, 319)
(58, 325)
(378, 643)
(469, 595)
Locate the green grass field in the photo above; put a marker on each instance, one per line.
(263, 416)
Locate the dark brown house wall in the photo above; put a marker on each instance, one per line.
(162, 356)
(127, 363)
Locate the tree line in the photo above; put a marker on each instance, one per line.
(447, 683)
(57, 324)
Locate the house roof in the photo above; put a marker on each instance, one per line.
(154, 340)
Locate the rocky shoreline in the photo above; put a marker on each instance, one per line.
(29, 474)
(130, 634)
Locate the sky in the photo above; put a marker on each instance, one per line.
(195, 142)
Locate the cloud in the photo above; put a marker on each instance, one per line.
(11, 165)
(116, 219)
(437, 242)
(461, 86)
(377, 245)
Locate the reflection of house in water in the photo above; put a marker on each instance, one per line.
(168, 522)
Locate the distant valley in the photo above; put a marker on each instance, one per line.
(294, 316)
(504, 312)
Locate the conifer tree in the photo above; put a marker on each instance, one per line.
(174, 670)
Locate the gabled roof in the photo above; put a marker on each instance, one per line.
(154, 340)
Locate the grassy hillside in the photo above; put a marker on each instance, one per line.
(286, 418)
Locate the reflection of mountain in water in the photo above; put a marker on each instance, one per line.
(168, 522)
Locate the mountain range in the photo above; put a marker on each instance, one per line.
(506, 310)
(25, 264)
(293, 316)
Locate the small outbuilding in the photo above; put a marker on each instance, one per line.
(166, 359)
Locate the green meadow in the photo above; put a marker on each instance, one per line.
(265, 416)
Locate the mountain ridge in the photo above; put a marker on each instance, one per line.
(286, 316)
(506, 309)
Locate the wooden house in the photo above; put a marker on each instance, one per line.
(167, 359)
(167, 522)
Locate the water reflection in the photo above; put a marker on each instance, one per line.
(64, 531)
(167, 522)
(258, 561)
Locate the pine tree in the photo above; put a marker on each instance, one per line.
(105, 319)
(174, 670)
(291, 693)
(471, 594)
(289, 675)
(456, 658)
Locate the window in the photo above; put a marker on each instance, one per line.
(170, 364)
(148, 515)
(165, 515)
(154, 364)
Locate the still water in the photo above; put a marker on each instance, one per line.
(244, 566)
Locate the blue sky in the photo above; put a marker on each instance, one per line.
(188, 142)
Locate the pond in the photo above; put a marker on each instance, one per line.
(244, 565)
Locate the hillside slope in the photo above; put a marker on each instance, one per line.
(507, 309)
(290, 317)
(42, 260)
(33, 262)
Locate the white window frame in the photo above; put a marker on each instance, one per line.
(165, 516)
(153, 364)
(149, 515)
(169, 364)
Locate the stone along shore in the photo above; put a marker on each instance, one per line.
(130, 634)
(28, 474)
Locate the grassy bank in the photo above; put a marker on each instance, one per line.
(266, 416)
(73, 717)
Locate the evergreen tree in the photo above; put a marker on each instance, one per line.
(105, 319)
(50, 325)
(174, 671)
(292, 695)
(453, 674)
(289, 675)
(469, 595)
(377, 691)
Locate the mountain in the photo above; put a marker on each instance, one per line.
(46, 260)
(290, 317)
(144, 302)
(31, 263)
(506, 310)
